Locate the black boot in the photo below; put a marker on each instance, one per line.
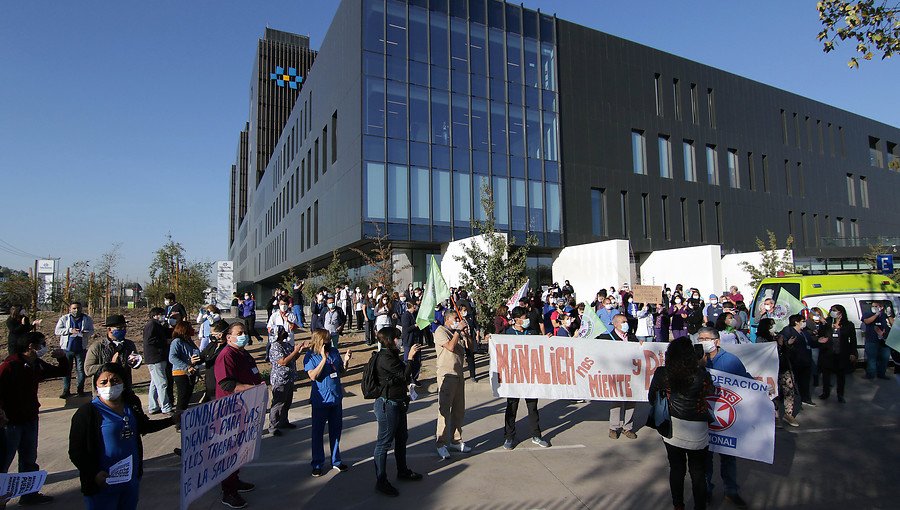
(385, 487)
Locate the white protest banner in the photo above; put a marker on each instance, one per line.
(218, 438)
(743, 418)
(534, 366)
(13, 485)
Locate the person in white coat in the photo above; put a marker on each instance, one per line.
(74, 331)
(208, 316)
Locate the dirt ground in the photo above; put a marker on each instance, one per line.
(137, 318)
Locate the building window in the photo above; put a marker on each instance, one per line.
(316, 228)
(501, 202)
(554, 212)
(676, 98)
(784, 129)
(854, 230)
(839, 228)
(316, 167)
(398, 184)
(309, 227)
(787, 178)
(308, 169)
(893, 156)
(334, 136)
(665, 157)
(462, 199)
(875, 157)
(765, 169)
(657, 90)
(711, 106)
(419, 195)
(797, 130)
(831, 138)
(821, 136)
(623, 212)
(684, 220)
(863, 192)
(536, 206)
(719, 234)
(791, 223)
(851, 190)
(639, 152)
(695, 116)
(734, 172)
(809, 135)
(750, 171)
(374, 205)
(302, 231)
(690, 161)
(712, 164)
(816, 229)
(440, 198)
(701, 221)
(597, 208)
(645, 215)
(803, 229)
(664, 205)
(324, 150)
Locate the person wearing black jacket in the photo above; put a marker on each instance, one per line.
(208, 356)
(17, 324)
(621, 415)
(390, 410)
(837, 350)
(112, 422)
(686, 384)
(156, 357)
(410, 336)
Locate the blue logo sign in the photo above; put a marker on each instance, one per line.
(727, 441)
(290, 78)
(885, 264)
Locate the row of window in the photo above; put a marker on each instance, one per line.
(419, 196)
(840, 228)
(689, 152)
(278, 249)
(600, 227)
(863, 191)
(819, 128)
(659, 89)
(876, 157)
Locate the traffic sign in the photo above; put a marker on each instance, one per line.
(885, 264)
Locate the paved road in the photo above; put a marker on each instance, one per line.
(843, 456)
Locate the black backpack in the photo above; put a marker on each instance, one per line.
(369, 384)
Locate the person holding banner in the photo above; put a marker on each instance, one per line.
(519, 326)
(621, 415)
(105, 441)
(720, 359)
(324, 365)
(786, 388)
(837, 350)
(686, 384)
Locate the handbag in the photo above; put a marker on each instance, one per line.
(659, 418)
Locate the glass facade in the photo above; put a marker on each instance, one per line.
(459, 96)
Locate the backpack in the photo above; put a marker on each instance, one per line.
(371, 388)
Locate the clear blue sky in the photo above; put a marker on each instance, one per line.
(119, 120)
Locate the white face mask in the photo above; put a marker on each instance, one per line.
(526, 323)
(167, 302)
(624, 327)
(768, 307)
(283, 308)
(713, 301)
(111, 392)
(708, 346)
(42, 351)
(214, 317)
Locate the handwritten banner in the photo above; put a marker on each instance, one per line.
(218, 438)
(743, 418)
(13, 485)
(561, 368)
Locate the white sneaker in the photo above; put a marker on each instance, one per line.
(413, 395)
(443, 453)
(462, 447)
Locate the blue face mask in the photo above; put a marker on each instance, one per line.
(119, 334)
(242, 340)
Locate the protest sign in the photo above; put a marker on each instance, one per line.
(650, 294)
(13, 485)
(533, 366)
(219, 437)
(743, 418)
(120, 472)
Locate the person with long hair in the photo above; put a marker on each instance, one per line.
(107, 431)
(786, 387)
(837, 350)
(686, 383)
(726, 325)
(324, 365)
(185, 359)
(209, 355)
(501, 323)
(394, 377)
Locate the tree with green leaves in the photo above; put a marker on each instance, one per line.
(774, 259)
(381, 259)
(874, 26)
(881, 248)
(496, 271)
(332, 275)
(171, 271)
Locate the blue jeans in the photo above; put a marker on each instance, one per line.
(122, 496)
(158, 392)
(21, 438)
(79, 371)
(333, 414)
(299, 315)
(334, 340)
(877, 356)
(728, 468)
(392, 428)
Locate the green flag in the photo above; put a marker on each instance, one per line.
(893, 339)
(436, 291)
(786, 305)
(591, 325)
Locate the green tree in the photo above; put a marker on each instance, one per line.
(380, 258)
(773, 260)
(874, 26)
(171, 271)
(494, 273)
(17, 288)
(332, 275)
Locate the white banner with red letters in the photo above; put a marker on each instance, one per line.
(743, 422)
(561, 368)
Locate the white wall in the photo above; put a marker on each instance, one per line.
(450, 267)
(699, 266)
(591, 267)
(733, 274)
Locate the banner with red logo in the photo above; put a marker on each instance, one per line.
(560, 368)
(743, 423)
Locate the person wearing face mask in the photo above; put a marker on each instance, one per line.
(20, 375)
(324, 365)
(247, 308)
(766, 309)
(235, 371)
(17, 324)
(317, 311)
(728, 333)
(113, 348)
(786, 388)
(186, 363)
(282, 322)
(712, 311)
(411, 335)
(175, 311)
(621, 415)
(679, 314)
(607, 313)
(333, 320)
(799, 347)
(662, 322)
(74, 331)
(718, 358)
(837, 350)
(207, 316)
(878, 326)
(383, 310)
(107, 431)
(359, 308)
(283, 355)
(449, 339)
(519, 326)
(298, 301)
(209, 355)
(156, 356)
(467, 315)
